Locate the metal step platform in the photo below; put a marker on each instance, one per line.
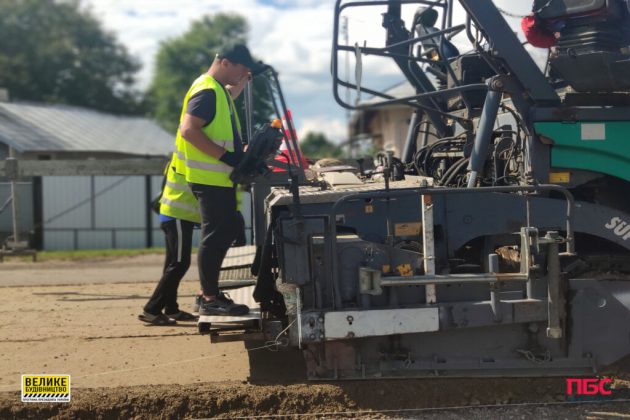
(234, 328)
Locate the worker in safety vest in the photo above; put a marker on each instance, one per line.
(209, 145)
(179, 214)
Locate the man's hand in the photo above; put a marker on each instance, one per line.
(235, 90)
(231, 158)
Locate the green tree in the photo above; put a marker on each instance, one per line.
(317, 146)
(52, 51)
(180, 60)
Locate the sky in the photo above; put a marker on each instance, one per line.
(294, 36)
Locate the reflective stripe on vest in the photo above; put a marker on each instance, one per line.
(222, 143)
(175, 186)
(177, 204)
(215, 167)
(177, 199)
(239, 195)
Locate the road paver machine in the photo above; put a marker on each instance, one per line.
(498, 242)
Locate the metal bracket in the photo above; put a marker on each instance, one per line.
(370, 281)
(312, 327)
(428, 246)
(530, 246)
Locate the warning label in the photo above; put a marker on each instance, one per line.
(45, 388)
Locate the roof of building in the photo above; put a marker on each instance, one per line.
(32, 127)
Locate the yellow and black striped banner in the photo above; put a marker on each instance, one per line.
(45, 388)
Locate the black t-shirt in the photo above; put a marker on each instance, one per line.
(203, 105)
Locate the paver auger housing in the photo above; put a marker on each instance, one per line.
(501, 247)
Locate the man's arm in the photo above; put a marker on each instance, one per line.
(235, 90)
(191, 130)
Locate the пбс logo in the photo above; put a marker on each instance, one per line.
(588, 386)
(619, 227)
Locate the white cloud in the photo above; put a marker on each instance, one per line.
(295, 36)
(296, 40)
(334, 129)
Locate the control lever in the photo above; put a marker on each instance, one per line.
(264, 145)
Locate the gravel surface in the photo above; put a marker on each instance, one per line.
(386, 399)
(123, 369)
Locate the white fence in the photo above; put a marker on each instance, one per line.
(105, 212)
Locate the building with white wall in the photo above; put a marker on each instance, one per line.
(386, 127)
(81, 212)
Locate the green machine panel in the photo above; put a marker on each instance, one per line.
(602, 147)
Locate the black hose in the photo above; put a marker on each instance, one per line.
(421, 158)
(454, 169)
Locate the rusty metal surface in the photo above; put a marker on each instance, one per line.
(282, 196)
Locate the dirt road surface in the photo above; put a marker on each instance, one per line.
(80, 318)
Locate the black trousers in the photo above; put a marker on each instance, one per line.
(219, 227)
(178, 248)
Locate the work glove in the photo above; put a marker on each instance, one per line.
(231, 158)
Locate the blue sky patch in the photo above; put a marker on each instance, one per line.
(281, 4)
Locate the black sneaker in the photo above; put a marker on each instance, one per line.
(222, 305)
(182, 316)
(159, 319)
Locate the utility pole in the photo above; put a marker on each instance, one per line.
(16, 246)
(15, 205)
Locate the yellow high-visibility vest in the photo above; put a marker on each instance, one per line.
(196, 166)
(177, 200)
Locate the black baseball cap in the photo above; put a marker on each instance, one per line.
(239, 54)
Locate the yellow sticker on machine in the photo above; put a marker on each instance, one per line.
(408, 229)
(45, 388)
(559, 177)
(404, 270)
